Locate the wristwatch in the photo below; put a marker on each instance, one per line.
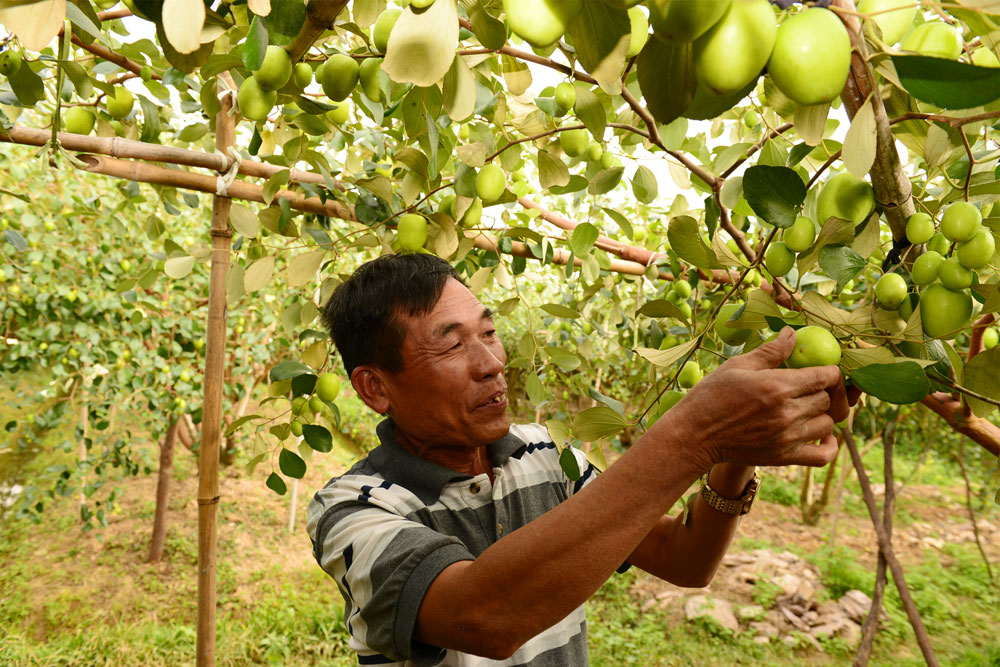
(735, 506)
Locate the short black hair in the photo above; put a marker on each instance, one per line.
(364, 314)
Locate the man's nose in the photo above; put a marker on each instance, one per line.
(490, 359)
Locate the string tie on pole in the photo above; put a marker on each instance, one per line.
(224, 181)
(226, 90)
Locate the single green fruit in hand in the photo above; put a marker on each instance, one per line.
(890, 290)
(919, 228)
(690, 374)
(474, 214)
(574, 142)
(339, 114)
(275, 70)
(990, 338)
(943, 311)
(119, 103)
(961, 221)
(490, 183)
(383, 27)
(778, 259)
(939, 244)
(678, 21)
(254, 102)
(811, 56)
(925, 268)
(540, 22)
(953, 275)
(977, 251)
(800, 236)
(10, 62)
(847, 197)
(412, 232)
(565, 96)
(328, 386)
(368, 75)
(936, 39)
(639, 26)
(814, 346)
(893, 17)
(734, 50)
(338, 76)
(302, 75)
(79, 120)
(728, 334)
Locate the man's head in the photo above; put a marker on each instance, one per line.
(366, 315)
(419, 346)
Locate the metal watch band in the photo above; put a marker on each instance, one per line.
(735, 506)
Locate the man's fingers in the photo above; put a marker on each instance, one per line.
(804, 381)
(768, 355)
(816, 455)
(839, 407)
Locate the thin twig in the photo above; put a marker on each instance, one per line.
(960, 457)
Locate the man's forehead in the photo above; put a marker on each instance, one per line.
(457, 306)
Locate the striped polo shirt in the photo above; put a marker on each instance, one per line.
(388, 526)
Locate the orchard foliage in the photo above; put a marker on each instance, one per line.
(637, 206)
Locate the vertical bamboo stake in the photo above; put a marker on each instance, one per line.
(215, 356)
(291, 510)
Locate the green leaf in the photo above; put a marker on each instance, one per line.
(490, 31)
(27, 86)
(276, 484)
(590, 111)
(258, 274)
(601, 37)
(774, 193)
(559, 310)
(558, 431)
(981, 376)
(564, 359)
(597, 422)
(178, 267)
(660, 308)
(569, 464)
(239, 422)
(947, 83)
(244, 221)
(665, 358)
(704, 105)
(605, 180)
(286, 370)
(255, 46)
(459, 91)
(16, 240)
(551, 170)
(859, 144)
(218, 63)
(317, 437)
(644, 185)
(684, 239)
(533, 387)
(841, 263)
(285, 20)
(422, 46)
(900, 383)
(291, 464)
(304, 267)
(150, 120)
(583, 238)
(666, 78)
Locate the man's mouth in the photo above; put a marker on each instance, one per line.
(498, 398)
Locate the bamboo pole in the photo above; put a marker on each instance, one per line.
(140, 150)
(211, 431)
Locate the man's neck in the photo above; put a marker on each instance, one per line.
(466, 460)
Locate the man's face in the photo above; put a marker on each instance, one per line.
(451, 392)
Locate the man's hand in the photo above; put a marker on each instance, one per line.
(751, 412)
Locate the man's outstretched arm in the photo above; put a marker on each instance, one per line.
(747, 412)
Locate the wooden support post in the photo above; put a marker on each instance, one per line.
(211, 430)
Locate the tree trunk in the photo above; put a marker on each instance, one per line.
(164, 477)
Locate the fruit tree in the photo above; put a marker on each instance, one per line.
(641, 188)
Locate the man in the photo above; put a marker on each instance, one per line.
(460, 536)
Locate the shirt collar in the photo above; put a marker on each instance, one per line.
(422, 477)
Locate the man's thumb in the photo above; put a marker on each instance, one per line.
(772, 354)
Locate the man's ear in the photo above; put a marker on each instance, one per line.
(370, 384)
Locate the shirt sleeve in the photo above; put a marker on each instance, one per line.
(383, 564)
